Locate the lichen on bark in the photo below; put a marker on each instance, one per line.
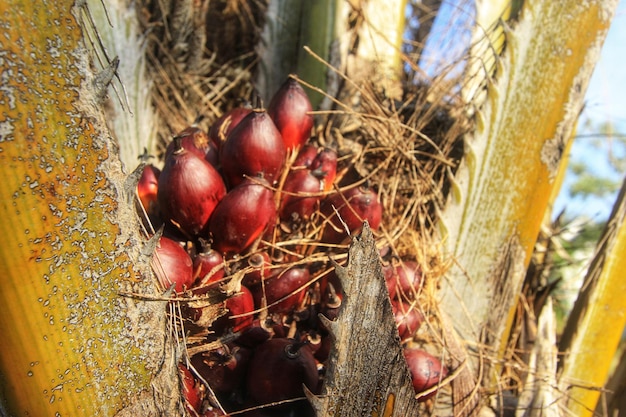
(72, 343)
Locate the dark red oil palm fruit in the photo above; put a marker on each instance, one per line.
(208, 267)
(290, 109)
(408, 318)
(221, 128)
(324, 167)
(240, 304)
(260, 331)
(278, 370)
(147, 188)
(189, 190)
(224, 369)
(354, 206)
(213, 412)
(253, 148)
(242, 216)
(290, 283)
(192, 390)
(408, 275)
(196, 141)
(426, 371)
(306, 156)
(301, 196)
(172, 265)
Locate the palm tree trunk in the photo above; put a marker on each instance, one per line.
(73, 345)
(504, 184)
(593, 331)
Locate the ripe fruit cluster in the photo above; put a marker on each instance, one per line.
(254, 205)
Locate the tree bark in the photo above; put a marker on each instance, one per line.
(367, 374)
(72, 344)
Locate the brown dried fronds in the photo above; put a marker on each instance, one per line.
(201, 59)
(407, 150)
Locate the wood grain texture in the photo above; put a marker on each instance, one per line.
(367, 374)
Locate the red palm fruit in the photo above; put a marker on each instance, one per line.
(221, 128)
(172, 265)
(290, 110)
(224, 369)
(147, 187)
(278, 370)
(253, 148)
(196, 141)
(324, 167)
(426, 370)
(213, 412)
(257, 333)
(204, 263)
(409, 280)
(354, 206)
(238, 304)
(189, 190)
(261, 268)
(306, 156)
(408, 318)
(283, 285)
(242, 216)
(298, 202)
(192, 390)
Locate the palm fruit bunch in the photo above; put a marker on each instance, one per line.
(250, 212)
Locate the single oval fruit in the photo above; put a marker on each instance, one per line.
(292, 280)
(242, 216)
(278, 370)
(192, 390)
(224, 368)
(306, 156)
(172, 265)
(290, 110)
(354, 206)
(221, 128)
(301, 196)
(408, 275)
(147, 188)
(324, 167)
(253, 148)
(196, 141)
(408, 318)
(189, 189)
(426, 371)
(240, 304)
(208, 267)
